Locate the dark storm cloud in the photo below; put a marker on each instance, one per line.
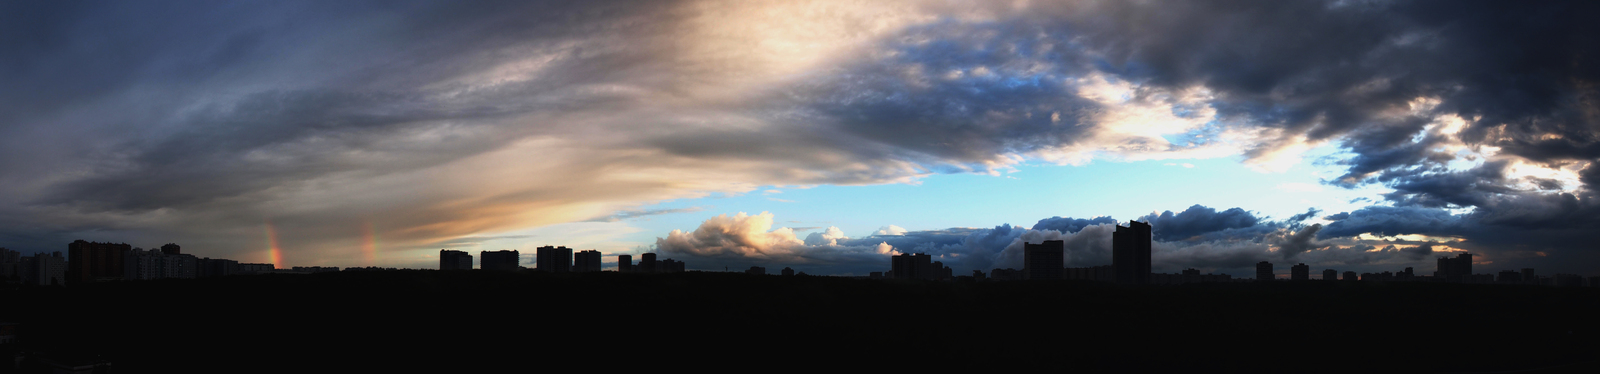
(1070, 225)
(1197, 220)
(1388, 221)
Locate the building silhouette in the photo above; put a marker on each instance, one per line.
(1349, 276)
(912, 266)
(1300, 272)
(1042, 261)
(624, 263)
(42, 270)
(506, 260)
(140, 264)
(787, 272)
(647, 262)
(1130, 253)
(669, 266)
(586, 261)
(95, 262)
(553, 259)
(1102, 273)
(756, 270)
(1457, 270)
(1264, 271)
(454, 260)
(1330, 274)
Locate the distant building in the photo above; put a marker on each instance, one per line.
(1349, 276)
(554, 259)
(1528, 276)
(669, 266)
(1509, 276)
(624, 263)
(1330, 274)
(315, 269)
(647, 262)
(787, 272)
(586, 261)
(10, 264)
(1568, 280)
(1456, 270)
(95, 262)
(917, 266)
(1264, 271)
(454, 260)
(1130, 253)
(256, 268)
(139, 264)
(220, 267)
(756, 270)
(1009, 274)
(43, 270)
(1102, 273)
(502, 260)
(1043, 260)
(1300, 272)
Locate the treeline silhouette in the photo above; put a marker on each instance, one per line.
(458, 321)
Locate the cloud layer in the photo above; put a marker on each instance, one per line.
(212, 124)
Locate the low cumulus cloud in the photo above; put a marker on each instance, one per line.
(743, 240)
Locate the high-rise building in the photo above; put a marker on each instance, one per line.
(1044, 260)
(787, 272)
(647, 262)
(1457, 269)
(756, 270)
(1130, 253)
(1300, 272)
(1349, 276)
(1264, 271)
(499, 260)
(554, 259)
(1528, 276)
(95, 262)
(586, 261)
(1330, 274)
(917, 266)
(624, 263)
(43, 270)
(454, 260)
(10, 264)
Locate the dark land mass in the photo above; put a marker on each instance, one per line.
(470, 321)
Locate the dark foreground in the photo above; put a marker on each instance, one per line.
(433, 321)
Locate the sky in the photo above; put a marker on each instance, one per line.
(824, 136)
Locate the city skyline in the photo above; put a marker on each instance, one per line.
(827, 137)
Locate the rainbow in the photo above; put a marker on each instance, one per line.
(274, 254)
(369, 243)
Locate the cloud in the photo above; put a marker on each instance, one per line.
(1197, 220)
(890, 230)
(623, 215)
(1071, 225)
(204, 124)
